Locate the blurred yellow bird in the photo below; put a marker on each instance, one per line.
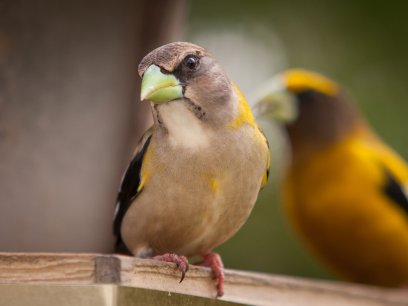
(344, 190)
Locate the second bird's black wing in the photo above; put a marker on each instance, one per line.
(129, 188)
(395, 192)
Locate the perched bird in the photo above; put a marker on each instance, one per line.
(344, 190)
(197, 172)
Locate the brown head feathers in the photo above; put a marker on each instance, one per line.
(169, 56)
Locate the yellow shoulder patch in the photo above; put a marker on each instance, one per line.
(298, 80)
(244, 115)
(142, 183)
(145, 172)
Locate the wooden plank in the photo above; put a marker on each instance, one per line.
(140, 297)
(240, 287)
(47, 268)
(51, 295)
(255, 288)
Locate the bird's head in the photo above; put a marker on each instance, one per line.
(311, 106)
(184, 73)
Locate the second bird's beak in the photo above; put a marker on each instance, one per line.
(280, 105)
(159, 87)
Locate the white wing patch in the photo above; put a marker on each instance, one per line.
(116, 210)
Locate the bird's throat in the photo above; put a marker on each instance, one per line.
(184, 128)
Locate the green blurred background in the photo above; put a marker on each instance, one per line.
(361, 44)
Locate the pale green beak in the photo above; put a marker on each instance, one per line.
(273, 100)
(158, 87)
(279, 105)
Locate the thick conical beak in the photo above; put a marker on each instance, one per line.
(279, 105)
(274, 100)
(158, 87)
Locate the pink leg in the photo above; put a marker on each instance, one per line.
(213, 261)
(180, 261)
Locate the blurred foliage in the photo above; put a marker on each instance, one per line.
(361, 44)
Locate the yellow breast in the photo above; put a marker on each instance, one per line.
(337, 204)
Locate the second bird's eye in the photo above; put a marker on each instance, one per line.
(191, 62)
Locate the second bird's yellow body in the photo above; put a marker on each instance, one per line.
(335, 198)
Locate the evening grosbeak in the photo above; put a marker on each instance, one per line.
(344, 190)
(196, 173)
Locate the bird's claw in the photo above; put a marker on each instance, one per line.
(183, 267)
(213, 261)
(180, 261)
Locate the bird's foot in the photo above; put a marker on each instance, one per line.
(180, 261)
(213, 261)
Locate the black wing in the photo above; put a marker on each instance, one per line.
(394, 191)
(129, 187)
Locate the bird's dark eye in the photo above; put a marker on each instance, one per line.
(191, 62)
